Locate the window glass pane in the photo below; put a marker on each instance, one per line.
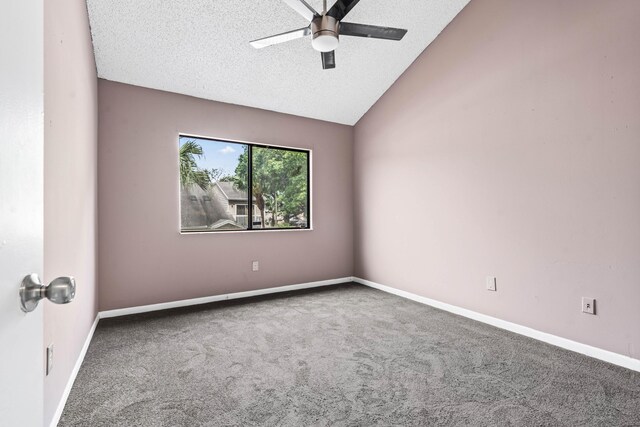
(280, 180)
(213, 181)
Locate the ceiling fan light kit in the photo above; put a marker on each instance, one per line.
(326, 29)
(325, 33)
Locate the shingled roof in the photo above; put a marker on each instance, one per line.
(199, 208)
(232, 192)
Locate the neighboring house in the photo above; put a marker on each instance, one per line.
(221, 207)
(236, 202)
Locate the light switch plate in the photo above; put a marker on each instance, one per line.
(491, 283)
(255, 265)
(588, 305)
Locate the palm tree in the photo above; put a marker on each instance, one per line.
(190, 173)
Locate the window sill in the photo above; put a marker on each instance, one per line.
(254, 231)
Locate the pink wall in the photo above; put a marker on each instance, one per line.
(70, 185)
(143, 257)
(511, 148)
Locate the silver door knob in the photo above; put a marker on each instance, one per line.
(60, 291)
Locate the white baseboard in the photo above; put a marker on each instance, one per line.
(74, 374)
(204, 300)
(597, 353)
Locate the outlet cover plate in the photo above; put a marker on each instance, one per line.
(588, 305)
(491, 283)
(255, 265)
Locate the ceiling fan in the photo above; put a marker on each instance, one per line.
(327, 28)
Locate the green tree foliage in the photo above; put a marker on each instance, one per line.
(190, 173)
(294, 194)
(279, 182)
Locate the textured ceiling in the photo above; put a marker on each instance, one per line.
(201, 48)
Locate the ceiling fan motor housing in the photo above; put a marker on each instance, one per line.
(325, 33)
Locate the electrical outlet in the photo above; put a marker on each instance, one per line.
(49, 358)
(255, 266)
(491, 283)
(588, 305)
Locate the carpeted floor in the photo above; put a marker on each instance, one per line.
(342, 356)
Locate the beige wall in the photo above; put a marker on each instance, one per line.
(70, 185)
(515, 139)
(143, 257)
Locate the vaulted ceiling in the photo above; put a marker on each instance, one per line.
(201, 48)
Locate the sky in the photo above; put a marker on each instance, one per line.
(217, 154)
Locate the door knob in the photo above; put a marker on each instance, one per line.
(60, 291)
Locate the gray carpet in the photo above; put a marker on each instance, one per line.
(340, 356)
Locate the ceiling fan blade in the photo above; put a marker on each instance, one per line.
(373, 31)
(340, 9)
(281, 38)
(328, 60)
(303, 8)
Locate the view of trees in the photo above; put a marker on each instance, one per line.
(279, 178)
(190, 173)
(279, 183)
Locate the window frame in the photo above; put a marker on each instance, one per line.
(249, 201)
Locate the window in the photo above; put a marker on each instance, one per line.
(224, 183)
(241, 210)
(242, 215)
